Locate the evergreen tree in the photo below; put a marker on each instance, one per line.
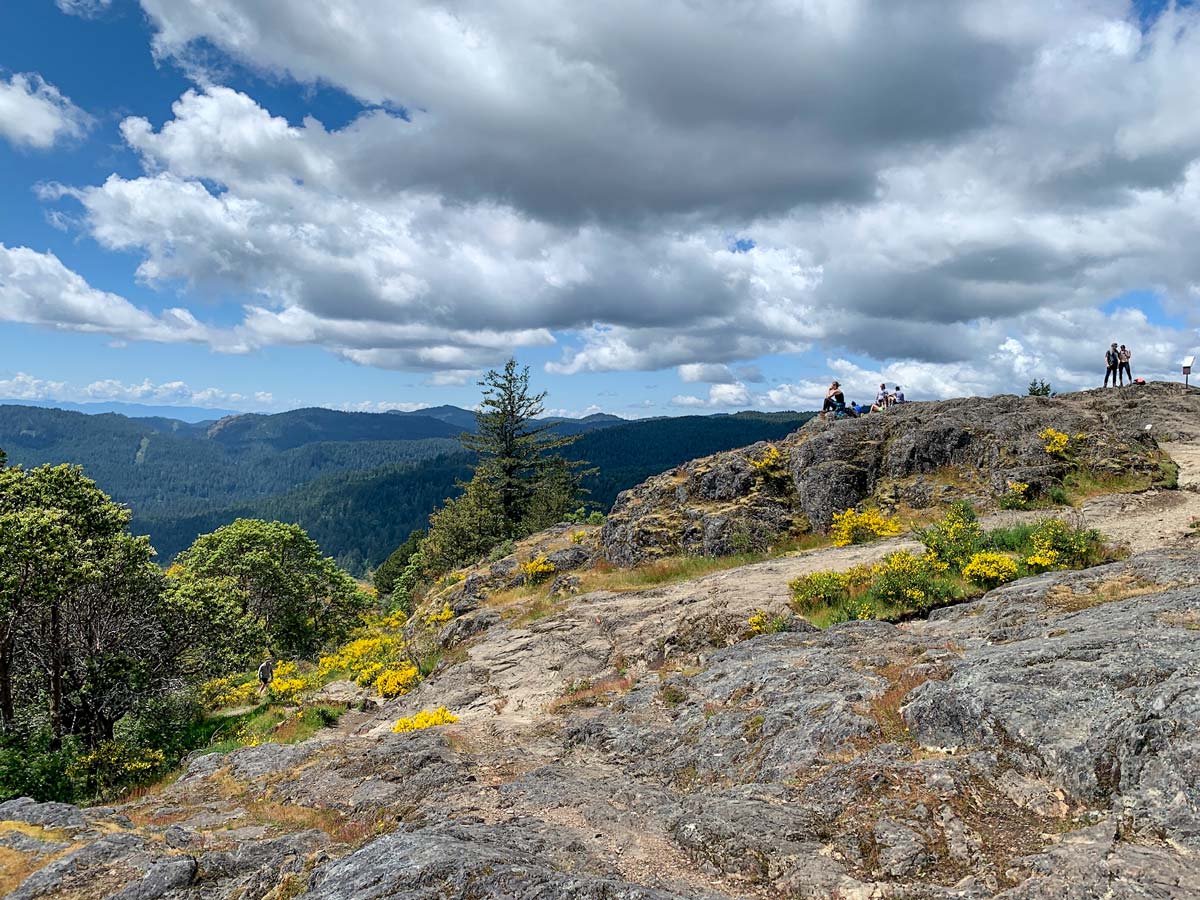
(517, 458)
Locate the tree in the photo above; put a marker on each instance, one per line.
(1039, 388)
(516, 454)
(393, 567)
(81, 637)
(275, 576)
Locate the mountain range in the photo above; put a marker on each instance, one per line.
(358, 482)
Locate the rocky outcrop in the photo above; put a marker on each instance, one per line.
(908, 458)
(1041, 742)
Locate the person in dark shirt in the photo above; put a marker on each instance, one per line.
(834, 398)
(1112, 363)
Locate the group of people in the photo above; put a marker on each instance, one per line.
(1116, 365)
(835, 401)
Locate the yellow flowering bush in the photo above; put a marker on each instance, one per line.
(115, 765)
(538, 569)
(1056, 442)
(439, 617)
(853, 527)
(769, 460)
(909, 581)
(578, 537)
(1056, 545)
(394, 621)
(1016, 497)
(811, 592)
(363, 658)
(395, 682)
(989, 570)
(223, 693)
(763, 622)
(288, 683)
(425, 719)
(952, 540)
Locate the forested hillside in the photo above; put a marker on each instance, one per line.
(358, 482)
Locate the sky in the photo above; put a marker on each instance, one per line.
(661, 208)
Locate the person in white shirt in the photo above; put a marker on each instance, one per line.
(898, 395)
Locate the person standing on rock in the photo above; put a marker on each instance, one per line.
(1112, 363)
(265, 673)
(1123, 371)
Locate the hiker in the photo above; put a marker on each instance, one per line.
(834, 399)
(882, 397)
(898, 396)
(265, 673)
(1123, 355)
(1112, 362)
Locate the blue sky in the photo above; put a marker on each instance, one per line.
(685, 208)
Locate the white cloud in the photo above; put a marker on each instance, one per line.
(720, 396)
(33, 113)
(578, 176)
(22, 386)
(37, 289)
(87, 9)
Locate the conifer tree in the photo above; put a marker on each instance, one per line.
(516, 454)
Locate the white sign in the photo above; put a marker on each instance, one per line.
(1189, 361)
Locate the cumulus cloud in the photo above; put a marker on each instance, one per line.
(720, 396)
(21, 386)
(34, 113)
(37, 289)
(530, 174)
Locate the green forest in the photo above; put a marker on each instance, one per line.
(357, 482)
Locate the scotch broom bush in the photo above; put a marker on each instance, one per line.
(425, 719)
(989, 570)
(853, 527)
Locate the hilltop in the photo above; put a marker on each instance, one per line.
(360, 482)
(624, 733)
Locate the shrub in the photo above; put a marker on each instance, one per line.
(595, 518)
(1016, 497)
(222, 693)
(440, 617)
(1057, 545)
(853, 527)
(955, 538)
(856, 609)
(820, 589)
(395, 682)
(578, 537)
(538, 569)
(364, 658)
(763, 622)
(425, 719)
(288, 684)
(501, 550)
(989, 570)
(115, 765)
(910, 582)
(1056, 442)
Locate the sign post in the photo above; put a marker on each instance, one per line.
(1188, 362)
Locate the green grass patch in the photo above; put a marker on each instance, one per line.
(271, 724)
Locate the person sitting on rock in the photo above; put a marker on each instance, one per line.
(882, 397)
(898, 395)
(834, 399)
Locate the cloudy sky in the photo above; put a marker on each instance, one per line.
(660, 207)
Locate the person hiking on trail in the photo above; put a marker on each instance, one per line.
(1112, 362)
(1123, 355)
(834, 398)
(265, 673)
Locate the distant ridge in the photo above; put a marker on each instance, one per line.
(190, 414)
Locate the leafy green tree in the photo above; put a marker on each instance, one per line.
(276, 575)
(465, 527)
(393, 567)
(81, 637)
(517, 458)
(1039, 388)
